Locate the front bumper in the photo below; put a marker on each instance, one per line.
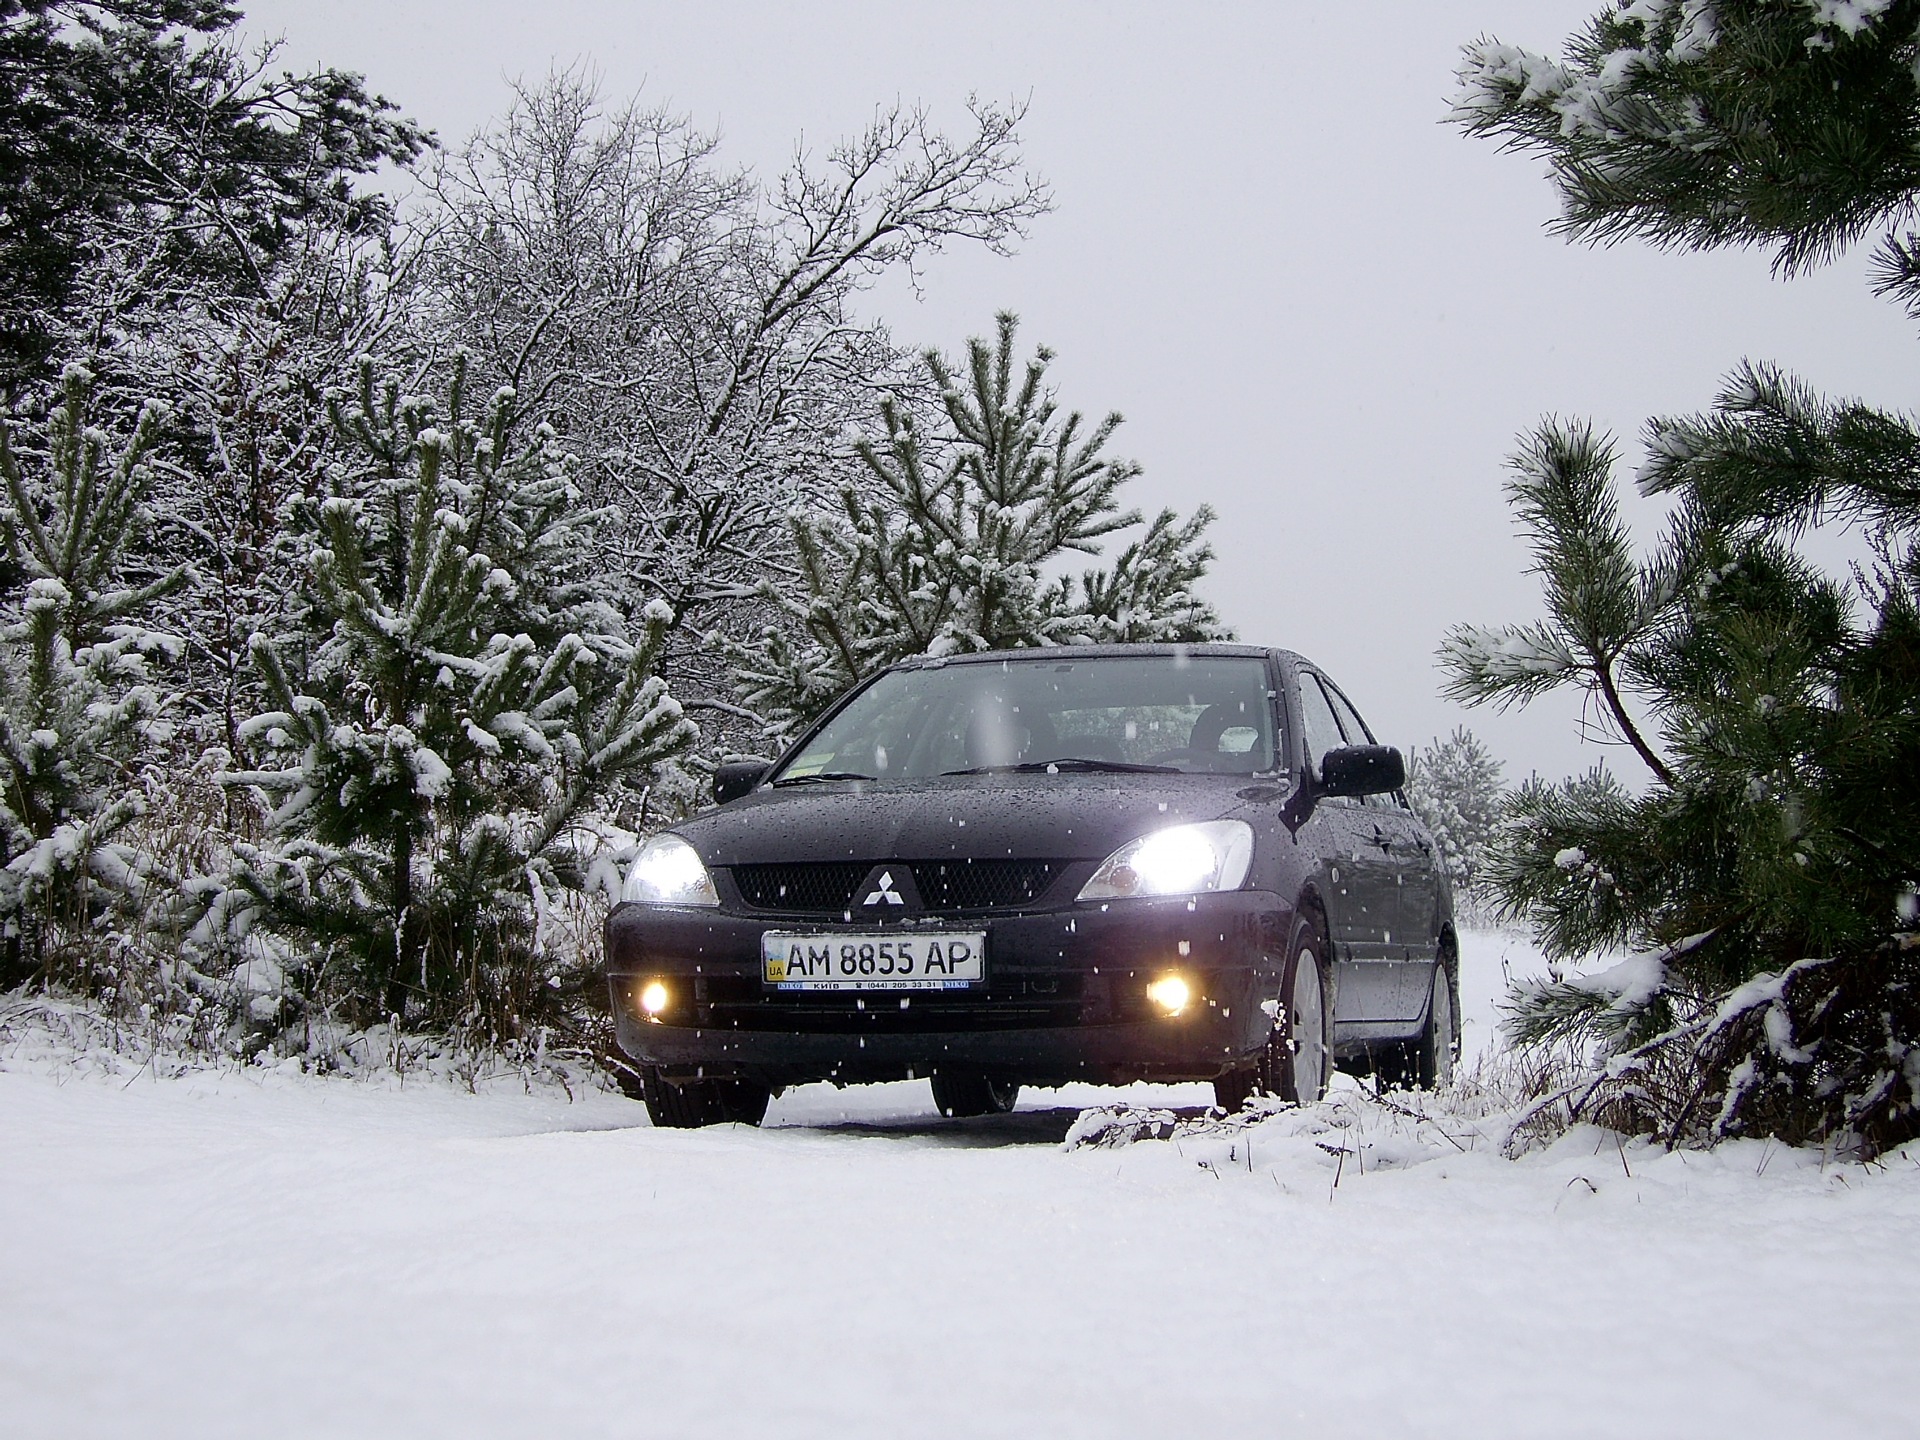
(1064, 998)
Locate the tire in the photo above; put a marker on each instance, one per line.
(695, 1103)
(960, 1096)
(629, 1077)
(1309, 990)
(1232, 1090)
(1426, 1062)
(1300, 1062)
(1439, 1043)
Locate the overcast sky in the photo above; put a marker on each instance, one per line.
(1322, 311)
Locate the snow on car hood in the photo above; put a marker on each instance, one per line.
(972, 817)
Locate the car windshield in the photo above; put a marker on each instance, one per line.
(1195, 714)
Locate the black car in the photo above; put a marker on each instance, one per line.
(1096, 863)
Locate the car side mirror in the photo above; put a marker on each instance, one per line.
(734, 778)
(1362, 770)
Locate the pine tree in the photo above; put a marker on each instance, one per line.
(1454, 787)
(1768, 873)
(951, 546)
(452, 699)
(77, 700)
(141, 152)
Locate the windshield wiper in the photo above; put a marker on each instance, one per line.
(1070, 763)
(820, 775)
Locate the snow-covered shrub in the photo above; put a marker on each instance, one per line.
(449, 702)
(952, 541)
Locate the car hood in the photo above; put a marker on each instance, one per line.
(967, 817)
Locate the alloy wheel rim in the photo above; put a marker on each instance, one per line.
(1442, 1028)
(1307, 1022)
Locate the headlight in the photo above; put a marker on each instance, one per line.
(668, 871)
(1171, 993)
(1180, 860)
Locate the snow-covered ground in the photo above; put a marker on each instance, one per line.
(255, 1253)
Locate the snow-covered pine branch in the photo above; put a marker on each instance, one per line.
(1773, 704)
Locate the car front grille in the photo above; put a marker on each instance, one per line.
(982, 884)
(826, 887)
(813, 888)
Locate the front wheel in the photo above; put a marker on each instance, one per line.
(695, 1103)
(1298, 1067)
(1299, 1056)
(961, 1096)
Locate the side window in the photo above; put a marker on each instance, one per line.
(1322, 731)
(1350, 721)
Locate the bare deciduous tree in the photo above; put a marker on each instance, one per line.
(690, 331)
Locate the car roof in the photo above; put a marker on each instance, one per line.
(1210, 649)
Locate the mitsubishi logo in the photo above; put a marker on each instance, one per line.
(889, 889)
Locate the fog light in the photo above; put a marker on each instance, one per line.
(1171, 993)
(653, 999)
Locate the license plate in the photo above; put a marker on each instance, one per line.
(945, 961)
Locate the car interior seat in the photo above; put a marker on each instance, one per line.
(1213, 723)
(1002, 734)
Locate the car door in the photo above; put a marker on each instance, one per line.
(1407, 855)
(1357, 879)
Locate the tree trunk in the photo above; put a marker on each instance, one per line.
(405, 930)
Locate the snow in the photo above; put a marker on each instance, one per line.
(1507, 653)
(254, 1251)
(1850, 16)
(431, 776)
(1632, 982)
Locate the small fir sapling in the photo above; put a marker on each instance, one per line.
(1454, 787)
(78, 698)
(953, 542)
(455, 696)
